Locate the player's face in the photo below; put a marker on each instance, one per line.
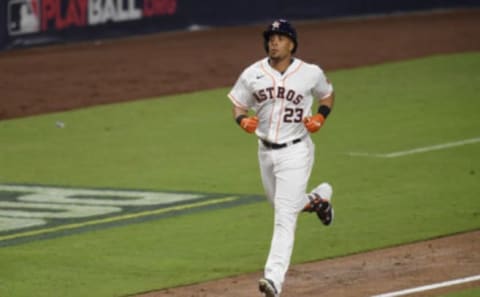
(279, 46)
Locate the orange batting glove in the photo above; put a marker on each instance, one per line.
(314, 123)
(249, 124)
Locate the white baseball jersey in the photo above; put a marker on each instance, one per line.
(281, 101)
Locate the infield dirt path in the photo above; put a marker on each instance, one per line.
(361, 275)
(65, 77)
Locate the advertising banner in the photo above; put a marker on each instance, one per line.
(31, 22)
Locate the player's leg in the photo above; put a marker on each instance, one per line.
(319, 201)
(265, 162)
(324, 190)
(291, 173)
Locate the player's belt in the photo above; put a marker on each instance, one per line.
(276, 146)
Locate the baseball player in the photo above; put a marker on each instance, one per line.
(280, 90)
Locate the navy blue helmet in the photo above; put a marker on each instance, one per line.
(282, 27)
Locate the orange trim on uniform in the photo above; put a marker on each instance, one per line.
(328, 95)
(296, 69)
(236, 102)
(279, 121)
(283, 101)
(274, 89)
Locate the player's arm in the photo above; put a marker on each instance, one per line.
(242, 99)
(328, 101)
(249, 124)
(315, 122)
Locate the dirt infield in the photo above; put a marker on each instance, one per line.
(361, 275)
(65, 77)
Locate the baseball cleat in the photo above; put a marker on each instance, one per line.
(267, 287)
(320, 203)
(322, 207)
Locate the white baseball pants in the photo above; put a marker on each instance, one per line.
(285, 173)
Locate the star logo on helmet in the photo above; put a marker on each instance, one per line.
(276, 25)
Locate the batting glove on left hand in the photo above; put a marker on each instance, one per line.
(314, 123)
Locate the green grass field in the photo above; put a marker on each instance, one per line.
(464, 293)
(190, 142)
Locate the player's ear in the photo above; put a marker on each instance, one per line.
(291, 46)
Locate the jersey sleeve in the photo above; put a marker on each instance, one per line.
(240, 94)
(322, 87)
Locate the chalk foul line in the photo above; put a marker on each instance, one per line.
(431, 287)
(418, 150)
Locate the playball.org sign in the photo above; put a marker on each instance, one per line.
(33, 16)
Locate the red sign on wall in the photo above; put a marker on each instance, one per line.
(32, 16)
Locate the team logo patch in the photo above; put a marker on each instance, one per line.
(37, 212)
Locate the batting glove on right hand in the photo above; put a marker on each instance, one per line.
(249, 124)
(314, 123)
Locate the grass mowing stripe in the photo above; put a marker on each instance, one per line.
(117, 218)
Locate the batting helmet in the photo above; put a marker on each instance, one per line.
(282, 27)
